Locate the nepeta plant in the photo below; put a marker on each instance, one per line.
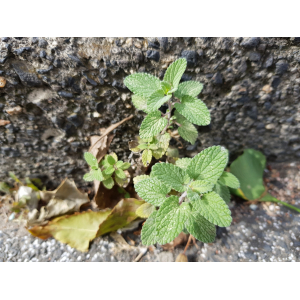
(109, 170)
(192, 195)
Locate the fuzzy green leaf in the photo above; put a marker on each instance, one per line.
(119, 164)
(175, 72)
(108, 183)
(183, 162)
(110, 160)
(140, 103)
(192, 196)
(120, 173)
(149, 234)
(188, 132)
(194, 110)
(166, 87)
(120, 182)
(170, 219)
(109, 170)
(125, 166)
(88, 176)
(222, 191)
(146, 157)
(201, 186)
(163, 144)
(190, 88)
(213, 208)
(145, 210)
(230, 180)
(97, 174)
(90, 159)
(140, 178)
(209, 164)
(171, 175)
(156, 100)
(142, 84)
(142, 146)
(152, 125)
(152, 190)
(200, 228)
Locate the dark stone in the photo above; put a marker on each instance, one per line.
(190, 56)
(50, 58)
(75, 59)
(254, 56)
(154, 45)
(267, 105)
(43, 54)
(103, 72)
(34, 40)
(76, 120)
(118, 84)
(90, 80)
(163, 41)
(281, 67)
(243, 99)
(57, 63)
(44, 71)
(269, 62)
(65, 94)
(187, 40)
(250, 42)
(230, 117)
(252, 113)
(217, 79)
(1, 106)
(275, 82)
(186, 77)
(153, 55)
(43, 43)
(2, 60)
(7, 151)
(100, 107)
(58, 121)
(70, 129)
(5, 39)
(192, 147)
(21, 50)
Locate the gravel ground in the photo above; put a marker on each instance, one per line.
(259, 232)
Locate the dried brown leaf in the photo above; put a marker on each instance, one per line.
(4, 122)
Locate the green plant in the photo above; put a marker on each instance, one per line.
(190, 195)
(109, 171)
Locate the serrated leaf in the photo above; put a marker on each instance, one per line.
(108, 183)
(148, 233)
(166, 87)
(120, 173)
(152, 125)
(213, 208)
(192, 196)
(97, 174)
(188, 132)
(190, 88)
(170, 219)
(194, 110)
(222, 191)
(153, 147)
(209, 164)
(229, 180)
(119, 164)
(175, 72)
(114, 155)
(106, 176)
(163, 144)
(140, 178)
(156, 100)
(146, 157)
(201, 186)
(140, 103)
(143, 146)
(109, 170)
(200, 228)
(88, 176)
(125, 166)
(183, 162)
(152, 190)
(171, 175)
(110, 160)
(142, 84)
(145, 210)
(90, 159)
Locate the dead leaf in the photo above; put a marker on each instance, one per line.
(181, 258)
(64, 200)
(14, 110)
(2, 82)
(76, 230)
(180, 240)
(121, 244)
(4, 122)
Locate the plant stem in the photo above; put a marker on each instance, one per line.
(169, 116)
(275, 200)
(182, 197)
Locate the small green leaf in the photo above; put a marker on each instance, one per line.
(88, 176)
(172, 152)
(183, 162)
(110, 160)
(156, 100)
(106, 176)
(109, 170)
(209, 164)
(170, 219)
(194, 110)
(214, 209)
(97, 174)
(120, 173)
(140, 178)
(163, 144)
(153, 147)
(125, 166)
(120, 182)
(142, 84)
(149, 234)
(201, 186)
(4, 188)
(146, 157)
(114, 155)
(192, 196)
(140, 103)
(190, 88)
(166, 87)
(108, 183)
(188, 132)
(171, 175)
(200, 228)
(152, 190)
(119, 164)
(152, 125)
(229, 180)
(90, 159)
(145, 210)
(175, 72)
(222, 191)
(142, 146)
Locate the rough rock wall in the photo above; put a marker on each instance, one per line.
(59, 91)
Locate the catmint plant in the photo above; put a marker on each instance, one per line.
(190, 195)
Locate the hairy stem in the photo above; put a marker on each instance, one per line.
(169, 116)
(182, 197)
